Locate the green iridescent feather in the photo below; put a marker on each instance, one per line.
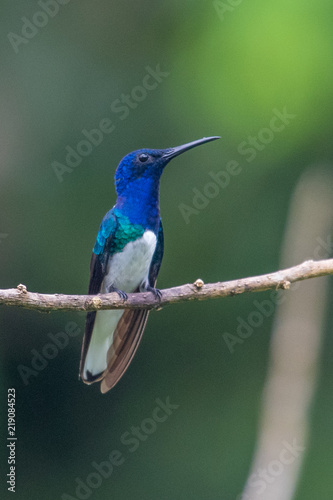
(120, 228)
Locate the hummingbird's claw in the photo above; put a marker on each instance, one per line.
(122, 295)
(155, 291)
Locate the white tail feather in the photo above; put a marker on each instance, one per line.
(101, 339)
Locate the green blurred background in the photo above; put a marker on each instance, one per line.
(228, 69)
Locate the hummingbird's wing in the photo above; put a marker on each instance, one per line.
(98, 266)
(130, 328)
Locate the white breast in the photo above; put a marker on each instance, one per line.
(129, 268)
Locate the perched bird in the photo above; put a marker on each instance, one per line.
(126, 258)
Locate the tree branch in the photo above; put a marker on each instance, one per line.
(20, 297)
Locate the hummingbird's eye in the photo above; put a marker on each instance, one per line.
(143, 157)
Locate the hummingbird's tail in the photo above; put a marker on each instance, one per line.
(110, 342)
(126, 340)
(98, 338)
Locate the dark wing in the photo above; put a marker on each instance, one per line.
(157, 257)
(98, 265)
(130, 328)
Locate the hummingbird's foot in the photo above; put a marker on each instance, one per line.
(155, 291)
(122, 295)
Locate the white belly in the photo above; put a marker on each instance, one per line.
(127, 270)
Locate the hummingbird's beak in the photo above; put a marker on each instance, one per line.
(172, 152)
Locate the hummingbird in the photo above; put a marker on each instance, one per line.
(126, 258)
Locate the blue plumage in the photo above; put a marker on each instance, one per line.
(126, 258)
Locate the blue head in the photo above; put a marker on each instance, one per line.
(137, 179)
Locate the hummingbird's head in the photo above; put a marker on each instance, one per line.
(145, 166)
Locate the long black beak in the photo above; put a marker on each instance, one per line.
(172, 152)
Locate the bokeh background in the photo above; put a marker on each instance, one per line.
(227, 68)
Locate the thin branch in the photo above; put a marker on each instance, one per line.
(20, 297)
